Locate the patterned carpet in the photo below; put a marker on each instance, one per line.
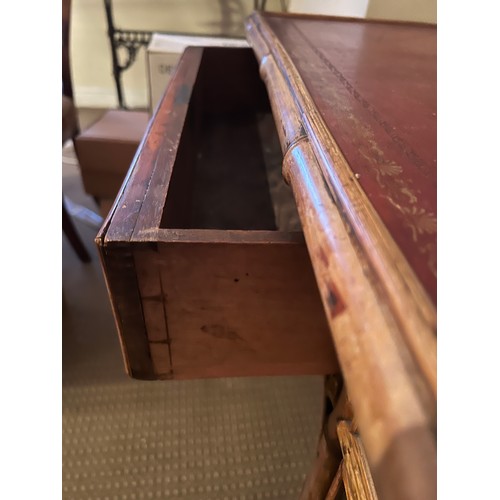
(247, 438)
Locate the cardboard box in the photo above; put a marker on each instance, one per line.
(106, 149)
(163, 53)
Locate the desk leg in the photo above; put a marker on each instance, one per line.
(328, 453)
(340, 470)
(70, 232)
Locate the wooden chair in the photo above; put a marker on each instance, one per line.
(70, 128)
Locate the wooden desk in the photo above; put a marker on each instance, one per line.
(199, 291)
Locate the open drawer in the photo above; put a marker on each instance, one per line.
(206, 267)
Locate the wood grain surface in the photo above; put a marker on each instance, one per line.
(231, 309)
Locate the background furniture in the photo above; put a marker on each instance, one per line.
(128, 39)
(69, 127)
(130, 42)
(105, 149)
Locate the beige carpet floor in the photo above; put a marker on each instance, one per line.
(245, 438)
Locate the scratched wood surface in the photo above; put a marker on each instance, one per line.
(380, 308)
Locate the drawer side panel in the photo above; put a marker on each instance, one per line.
(243, 310)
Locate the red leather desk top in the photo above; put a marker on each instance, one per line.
(375, 87)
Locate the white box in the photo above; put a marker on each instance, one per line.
(163, 53)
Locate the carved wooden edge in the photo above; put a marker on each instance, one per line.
(382, 321)
(355, 471)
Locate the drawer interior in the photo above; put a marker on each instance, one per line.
(204, 255)
(227, 172)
